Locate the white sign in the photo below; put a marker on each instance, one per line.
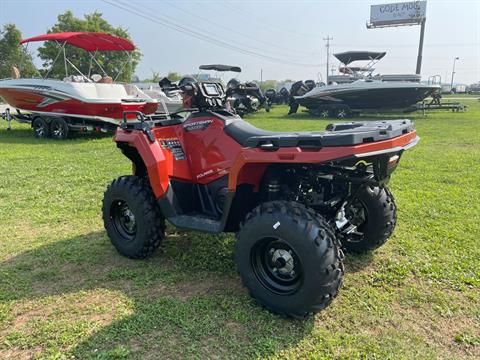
(398, 13)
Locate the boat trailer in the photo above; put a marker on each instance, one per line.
(72, 124)
(454, 106)
(342, 111)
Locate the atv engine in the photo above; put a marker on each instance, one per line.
(322, 188)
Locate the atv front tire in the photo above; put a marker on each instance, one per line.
(132, 218)
(289, 259)
(374, 213)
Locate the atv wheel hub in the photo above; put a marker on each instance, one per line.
(124, 220)
(277, 266)
(128, 218)
(283, 262)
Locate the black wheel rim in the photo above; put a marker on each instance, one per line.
(123, 220)
(277, 266)
(39, 128)
(58, 131)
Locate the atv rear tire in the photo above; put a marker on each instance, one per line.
(289, 259)
(379, 219)
(132, 217)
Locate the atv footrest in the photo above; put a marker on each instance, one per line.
(196, 222)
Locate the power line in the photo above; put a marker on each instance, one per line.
(201, 36)
(230, 29)
(261, 22)
(408, 46)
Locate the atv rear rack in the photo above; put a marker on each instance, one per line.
(342, 134)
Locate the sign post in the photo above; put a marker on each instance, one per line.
(420, 48)
(401, 14)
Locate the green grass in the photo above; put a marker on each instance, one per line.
(461, 95)
(65, 292)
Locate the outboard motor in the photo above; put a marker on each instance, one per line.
(187, 80)
(244, 98)
(252, 90)
(167, 86)
(271, 96)
(310, 84)
(298, 89)
(284, 95)
(234, 99)
(233, 84)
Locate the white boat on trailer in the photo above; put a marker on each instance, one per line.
(78, 102)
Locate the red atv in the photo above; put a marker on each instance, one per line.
(295, 200)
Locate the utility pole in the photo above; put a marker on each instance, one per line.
(453, 72)
(261, 77)
(327, 39)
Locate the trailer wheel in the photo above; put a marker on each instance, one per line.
(324, 114)
(289, 259)
(341, 113)
(40, 128)
(58, 129)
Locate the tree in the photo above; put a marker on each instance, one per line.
(268, 84)
(173, 76)
(155, 78)
(13, 54)
(113, 62)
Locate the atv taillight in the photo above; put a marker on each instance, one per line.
(392, 162)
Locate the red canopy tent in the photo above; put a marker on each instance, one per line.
(89, 41)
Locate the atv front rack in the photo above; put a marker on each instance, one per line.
(146, 122)
(142, 124)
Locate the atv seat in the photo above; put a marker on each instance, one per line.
(344, 134)
(241, 131)
(248, 135)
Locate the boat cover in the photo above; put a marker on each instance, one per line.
(89, 41)
(351, 56)
(219, 67)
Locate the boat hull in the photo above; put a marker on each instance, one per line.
(46, 102)
(366, 98)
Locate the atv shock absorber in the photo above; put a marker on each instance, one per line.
(273, 189)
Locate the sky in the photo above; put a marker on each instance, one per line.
(279, 39)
